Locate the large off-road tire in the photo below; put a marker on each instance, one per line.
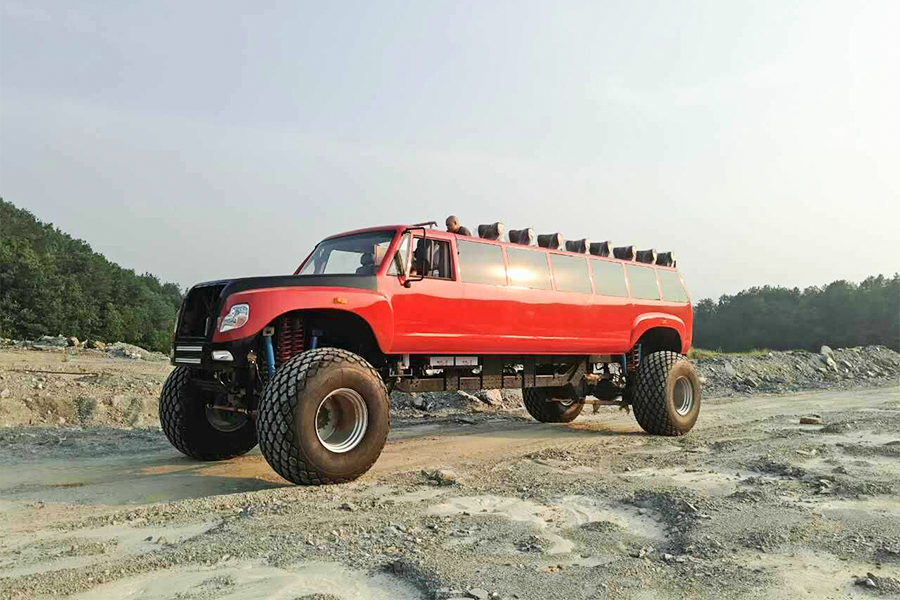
(551, 404)
(324, 417)
(191, 427)
(666, 397)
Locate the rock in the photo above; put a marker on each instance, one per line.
(466, 420)
(419, 402)
(441, 477)
(348, 507)
(831, 364)
(827, 351)
(750, 382)
(810, 420)
(729, 370)
(95, 345)
(73, 342)
(5, 393)
(478, 594)
(490, 397)
(52, 342)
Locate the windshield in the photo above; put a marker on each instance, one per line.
(359, 254)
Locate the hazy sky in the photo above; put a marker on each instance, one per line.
(759, 140)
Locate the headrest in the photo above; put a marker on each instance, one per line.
(522, 236)
(493, 231)
(600, 248)
(580, 246)
(624, 252)
(665, 259)
(550, 240)
(646, 256)
(367, 258)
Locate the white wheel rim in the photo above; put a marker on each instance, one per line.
(341, 420)
(683, 395)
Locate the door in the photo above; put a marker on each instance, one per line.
(426, 313)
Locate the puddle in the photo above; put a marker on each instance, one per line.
(249, 581)
(565, 513)
(67, 550)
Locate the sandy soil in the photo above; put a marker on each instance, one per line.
(749, 505)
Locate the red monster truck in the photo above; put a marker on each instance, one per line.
(302, 364)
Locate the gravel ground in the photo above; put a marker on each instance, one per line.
(469, 500)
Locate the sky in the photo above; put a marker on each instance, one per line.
(757, 140)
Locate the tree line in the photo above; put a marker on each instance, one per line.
(840, 314)
(51, 283)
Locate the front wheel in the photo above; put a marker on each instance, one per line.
(324, 417)
(551, 404)
(195, 429)
(666, 397)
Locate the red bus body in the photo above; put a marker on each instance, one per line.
(440, 316)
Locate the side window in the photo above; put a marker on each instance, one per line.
(481, 263)
(571, 274)
(672, 288)
(431, 258)
(609, 278)
(398, 265)
(528, 268)
(643, 282)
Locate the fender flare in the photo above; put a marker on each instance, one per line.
(654, 320)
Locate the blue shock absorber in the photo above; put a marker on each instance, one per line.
(268, 332)
(624, 360)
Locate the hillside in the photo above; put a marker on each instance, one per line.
(51, 283)
(841, 314)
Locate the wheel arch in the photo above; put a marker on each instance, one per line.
(656, 339)
(343, 329)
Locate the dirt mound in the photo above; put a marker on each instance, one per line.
(797, 370)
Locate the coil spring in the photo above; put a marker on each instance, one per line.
(634, 358)
(290, 338)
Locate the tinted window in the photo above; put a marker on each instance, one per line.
(432, 259)
(643, 282)
(571, 274)
(609, 278)
(528, 268)
(481, 263)
(672, 289)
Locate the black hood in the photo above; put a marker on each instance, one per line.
(233, 286)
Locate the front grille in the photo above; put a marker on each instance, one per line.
(198, 314)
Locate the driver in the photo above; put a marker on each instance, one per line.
(453, 226)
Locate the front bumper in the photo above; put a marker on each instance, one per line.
(198, 354)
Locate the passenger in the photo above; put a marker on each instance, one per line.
(367, 264)
(453, 226)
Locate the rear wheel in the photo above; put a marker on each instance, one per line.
(551, 404)
(324, 417)
(196, 430)
(666, 397)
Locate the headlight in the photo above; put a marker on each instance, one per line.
(237, 317)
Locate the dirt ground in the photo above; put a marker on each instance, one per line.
(462, 504)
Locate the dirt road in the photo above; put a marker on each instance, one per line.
(750, 505)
